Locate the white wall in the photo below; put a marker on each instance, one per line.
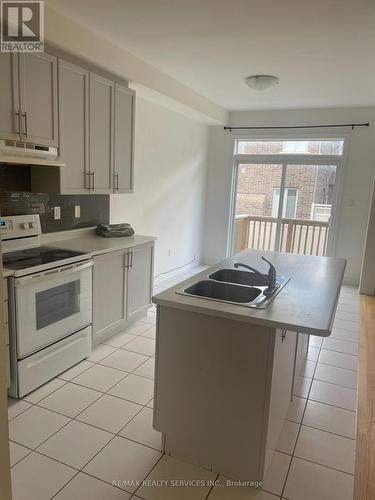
(170, 177)
(357, 182)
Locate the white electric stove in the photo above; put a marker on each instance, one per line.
(50, 304)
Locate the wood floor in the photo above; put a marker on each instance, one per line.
(364, 483)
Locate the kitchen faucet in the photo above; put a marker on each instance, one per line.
(271, 276)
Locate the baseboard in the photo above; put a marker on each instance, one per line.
(175, 272)
(351, 282)
(99, 337)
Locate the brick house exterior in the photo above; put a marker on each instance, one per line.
(257, 184)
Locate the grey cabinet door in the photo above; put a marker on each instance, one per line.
(9, 97)
(38, 95)
(73, 127)
(124, 139)
(109, 279)
(140, 279)
(101, 133)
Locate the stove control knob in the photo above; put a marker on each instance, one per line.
(24, 225)
(32, 224)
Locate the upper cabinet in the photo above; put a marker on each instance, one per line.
(28, 103)
(124, 139)
(101, 134)
(38, 98)
(47, 100)
(74, 131)
(10, 118)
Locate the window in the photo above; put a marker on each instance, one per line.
(295, 146)
(289, 205)
(313, 147)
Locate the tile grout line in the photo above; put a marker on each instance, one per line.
(300, 424)
(74, 418)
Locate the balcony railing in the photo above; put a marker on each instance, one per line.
(309, 237)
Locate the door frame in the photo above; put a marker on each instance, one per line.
(292, 159)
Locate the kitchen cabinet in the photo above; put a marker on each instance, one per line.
(109, 293)
(245, 404)
(101, 134)
(28, 98)
(140, 278)
(9, 97)
(122, 289)
(50, 100)
(73, 118)
(124, 139)
(38, 98)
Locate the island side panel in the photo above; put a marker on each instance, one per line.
(212, 391)
(283, 371)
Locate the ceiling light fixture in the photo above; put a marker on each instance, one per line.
(261, 82)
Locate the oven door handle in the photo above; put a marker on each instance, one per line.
(52, 273)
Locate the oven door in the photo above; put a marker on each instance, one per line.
(51, 305)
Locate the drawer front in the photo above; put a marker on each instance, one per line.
(46, 364)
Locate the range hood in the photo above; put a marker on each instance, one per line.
(23, 153)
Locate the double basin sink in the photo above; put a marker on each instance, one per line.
(234, 286)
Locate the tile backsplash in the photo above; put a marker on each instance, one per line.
(94, 209)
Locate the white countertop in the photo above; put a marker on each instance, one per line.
(93, 244)
(306, 304)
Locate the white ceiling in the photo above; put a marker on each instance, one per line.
(323, 51)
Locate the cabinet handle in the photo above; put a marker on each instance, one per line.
(88, 176)
(93, 180)
(18, 132)
(283, 334)
(131, 260)
(25, 117)
(126, 261)
(116, 183)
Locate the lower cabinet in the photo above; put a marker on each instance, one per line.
(140, 277)
(122, 289)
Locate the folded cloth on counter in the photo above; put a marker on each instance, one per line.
(114, 230)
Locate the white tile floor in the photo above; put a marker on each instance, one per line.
(92, 425)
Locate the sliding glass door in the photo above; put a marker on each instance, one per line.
(255, 225)
(287, 203)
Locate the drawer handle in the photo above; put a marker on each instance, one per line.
(283, 334)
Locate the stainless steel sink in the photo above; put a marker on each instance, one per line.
(232, 286)
(240, 277)
(223, 291)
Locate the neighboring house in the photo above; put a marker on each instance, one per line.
(308, 186)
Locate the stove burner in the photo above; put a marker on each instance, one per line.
(37, 256)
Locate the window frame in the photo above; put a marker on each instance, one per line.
(340, 161)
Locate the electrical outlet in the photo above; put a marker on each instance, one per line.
(56, 213)
(77, 211)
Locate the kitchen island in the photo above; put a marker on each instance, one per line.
(225, 373)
